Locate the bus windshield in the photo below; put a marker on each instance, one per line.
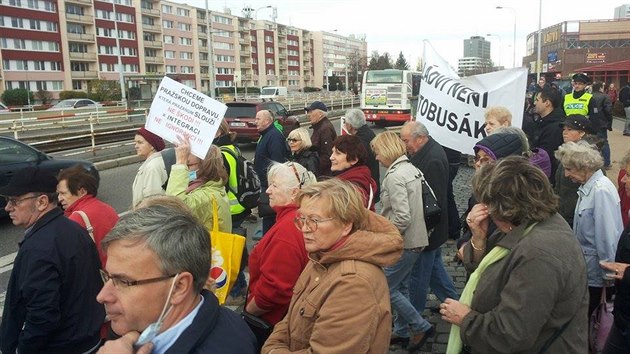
(384, 76)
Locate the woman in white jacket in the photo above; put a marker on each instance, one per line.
(401, 198)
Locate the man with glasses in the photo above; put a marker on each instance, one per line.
(50, 304)
(158, 260)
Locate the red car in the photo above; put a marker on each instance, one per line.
(240, 116)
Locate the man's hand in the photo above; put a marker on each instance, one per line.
(124, 345)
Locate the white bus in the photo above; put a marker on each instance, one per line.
(386, 95)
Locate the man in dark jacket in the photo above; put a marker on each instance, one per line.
(547, 133)
(271, 147)
(323, 135)
(429, 156)
(51, 298)
(601, 118)
(158, 259)
(355, 124)
(624, 98)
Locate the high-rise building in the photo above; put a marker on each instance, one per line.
(476, 58)
(62, 45)
(622, 11)
(477, 47)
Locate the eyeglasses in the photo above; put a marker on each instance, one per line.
(293, 140)
(118, 283)
(16, 201)
(297, 175)
(311, 223)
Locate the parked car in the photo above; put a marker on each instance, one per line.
(74, 103)
(240, 116)
(15, 155)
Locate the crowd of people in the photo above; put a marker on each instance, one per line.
(347, 257)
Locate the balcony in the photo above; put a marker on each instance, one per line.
(247, 77)
(86, 19)
(82, 2)
(283, 77)
(151, 28)
(154, 60)
(81, 37)
(246, 52)
(83, 56)
(84, 74)
(153, 44)
(151, 12)
(155, 73)
(282, 44)
(203, 62)
(307, 77)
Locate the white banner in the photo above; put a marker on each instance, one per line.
(453, 108)
(180, 110)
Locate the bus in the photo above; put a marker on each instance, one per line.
(386, 95)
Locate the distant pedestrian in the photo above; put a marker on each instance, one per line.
(612, 93)
(355, 124)
(151, 175)
(77, 190)
(601, 118)
(624, 98)
(50, 302)
(323, 134)
(271, 147)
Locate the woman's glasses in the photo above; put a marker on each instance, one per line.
(293, 140)
(311, 223)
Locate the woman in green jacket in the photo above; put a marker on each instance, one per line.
(197, 182)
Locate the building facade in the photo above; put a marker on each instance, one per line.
(62, 45)
(572, 46)
(476, 58)
(622, 11)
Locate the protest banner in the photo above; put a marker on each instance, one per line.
(342, 126)
(181, 110)
(452, 108)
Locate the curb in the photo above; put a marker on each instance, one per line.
(122, 161)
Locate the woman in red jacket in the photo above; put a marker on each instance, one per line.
(348, 162)
(278, 259)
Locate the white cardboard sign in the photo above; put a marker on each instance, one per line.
(181, 110)
(453, 108)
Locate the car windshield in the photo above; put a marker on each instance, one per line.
(241, 112)
(65, 104)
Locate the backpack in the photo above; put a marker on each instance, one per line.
(247, 179)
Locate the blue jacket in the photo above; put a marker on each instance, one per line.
(215, 329)
(271, 147)
(51, 298)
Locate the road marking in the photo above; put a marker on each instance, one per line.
(6, 262)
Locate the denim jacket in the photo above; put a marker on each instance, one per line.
(597, 224)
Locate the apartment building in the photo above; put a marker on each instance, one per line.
(62, 45)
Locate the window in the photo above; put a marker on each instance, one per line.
(55, 66)
(169, 54)
(225, 71)
(269, 39)
(131, 68)
(146, 5)
(292, 42)
(187, 69)
(294, 72)
(270, 72)
(226, 58)
(123, 2)
(183, 12)
(222, 19)
(225, 34)
(126, 34)
(185, 41)
(293, 82)
(76, 28)
(39, 65)
(148, 36)
(77, 85)
(105, 15)
(203, 56)
(220, 45)
(168, 9)
(149, 52)
(75, 47)
(104, 32)
(293, 52)
(186, 55)
(269, 61)
(79, 66)
(184, 26)
(171, 68)
(130, 52)
(269, 50)
(108, 67)
(74, 9)
(294, 63)
(123, 17)
(169, 39)
(107, 50)
(167, 24)
(146, 20)
(202, 42)
(151, 68)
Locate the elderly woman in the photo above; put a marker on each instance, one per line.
(401, 197)
(302, 150)
(537, 156)
(151, 175)
(574, 128)
(527, 294)
(623, 181)
(348, 162)
(496, 117)
(198, 182)
(597, 220)
(278, 259)
(340, 302)
(76, 191)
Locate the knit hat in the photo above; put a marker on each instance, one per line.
(155, 141)
(500, 145)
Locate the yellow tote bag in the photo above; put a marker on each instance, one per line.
(227, 252)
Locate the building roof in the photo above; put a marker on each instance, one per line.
(616, 66)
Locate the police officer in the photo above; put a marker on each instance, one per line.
(579, 101)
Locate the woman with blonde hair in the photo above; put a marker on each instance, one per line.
(340, 302)
(496, 117)
(197, 182)
(302, 150)
(401, 198)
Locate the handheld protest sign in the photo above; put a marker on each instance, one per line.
(180, 110)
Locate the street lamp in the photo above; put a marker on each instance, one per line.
(514, 39)
(539, 40)
(500, 44)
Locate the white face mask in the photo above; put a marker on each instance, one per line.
(192, 175)
(153, 329)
